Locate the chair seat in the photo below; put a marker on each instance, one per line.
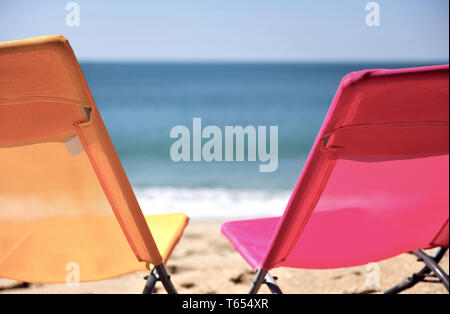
(336, 238)
(167, 230)
(96, 244)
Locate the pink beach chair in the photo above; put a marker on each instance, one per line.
(375, 185)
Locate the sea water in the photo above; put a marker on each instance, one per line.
(141, 102)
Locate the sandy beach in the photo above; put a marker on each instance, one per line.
(204, 262)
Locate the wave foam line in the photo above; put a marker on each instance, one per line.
(212, 203)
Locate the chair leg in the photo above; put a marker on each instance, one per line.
(258, 281)
(263, 277)
(435, 268)
(152, 279)
(272, 285)
(431, 263)
(159, 273)
(405, 284)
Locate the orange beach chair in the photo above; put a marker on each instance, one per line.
(67, 210)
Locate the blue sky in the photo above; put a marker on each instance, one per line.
(256, 30)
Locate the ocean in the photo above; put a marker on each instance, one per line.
(141, 102)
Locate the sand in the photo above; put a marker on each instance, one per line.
(204, 262)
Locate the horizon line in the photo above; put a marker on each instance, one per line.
(267, 61)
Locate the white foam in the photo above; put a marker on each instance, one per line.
(212, 203)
